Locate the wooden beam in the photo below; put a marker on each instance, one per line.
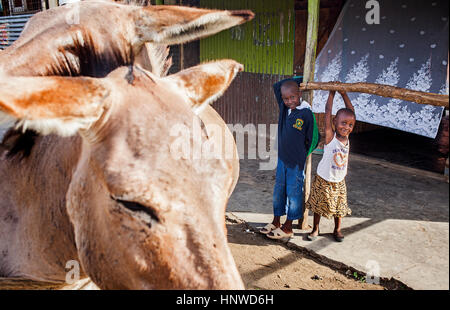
(381, 90)
(308, 75)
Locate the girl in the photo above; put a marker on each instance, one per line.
(328, 193)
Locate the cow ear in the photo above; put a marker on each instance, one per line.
(205, 83)
(166, 24)
(60, 105)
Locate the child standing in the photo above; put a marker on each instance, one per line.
(297, 137)
(328, 192)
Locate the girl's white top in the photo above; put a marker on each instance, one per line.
(333, 166)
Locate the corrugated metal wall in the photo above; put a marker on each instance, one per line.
(11, 27)
(250, 100)
(266, 48)
(264, 45)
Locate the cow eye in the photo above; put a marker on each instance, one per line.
(144, 213)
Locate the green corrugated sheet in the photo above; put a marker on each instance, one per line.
(263, 45)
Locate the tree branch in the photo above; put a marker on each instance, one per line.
(381, 90)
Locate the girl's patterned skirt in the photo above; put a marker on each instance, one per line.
(328, 199)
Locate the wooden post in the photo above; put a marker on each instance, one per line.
(181, 49)
(308, 75)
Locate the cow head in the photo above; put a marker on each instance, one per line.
(142, 218)
(94, 37)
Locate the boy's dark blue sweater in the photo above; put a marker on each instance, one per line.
(295, 131)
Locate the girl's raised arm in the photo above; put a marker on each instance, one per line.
(329, 133)
(348, 103)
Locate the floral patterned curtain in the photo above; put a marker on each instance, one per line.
(408, 48)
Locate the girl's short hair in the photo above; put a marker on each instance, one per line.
(346, 111)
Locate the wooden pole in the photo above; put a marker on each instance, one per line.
(308, 75)
(381, 90)
(181, 49)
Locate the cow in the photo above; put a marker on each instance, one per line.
(99, 184)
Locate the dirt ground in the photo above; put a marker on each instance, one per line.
(267, 264)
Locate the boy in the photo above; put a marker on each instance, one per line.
(297, 138)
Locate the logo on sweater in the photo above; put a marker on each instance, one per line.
(298, 124)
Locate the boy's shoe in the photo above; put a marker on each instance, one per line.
(279, 234)
(267, 229)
